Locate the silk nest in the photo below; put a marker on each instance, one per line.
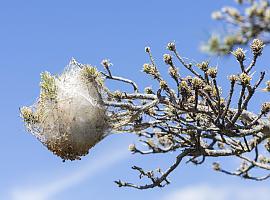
(69, 117)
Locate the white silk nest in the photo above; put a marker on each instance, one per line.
(69, 117)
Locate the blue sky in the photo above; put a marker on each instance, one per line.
(44, 35)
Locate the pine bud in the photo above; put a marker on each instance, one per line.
(267, 89)
(233, 78)
(171, 46)
(216, 15)
(173, 72)
(163, 84)
(216, 166)
(106, 63)
(240, 55)
(147, 49)
(212, 72)
(203, 66)
(148, 90)
(184, 87)
(245, 78)
(257, 47)
(132, 148)
(266, 108)
(167, 59)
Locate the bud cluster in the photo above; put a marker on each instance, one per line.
(197, 83)
(28, 115)
(184, 87)
(208, 88)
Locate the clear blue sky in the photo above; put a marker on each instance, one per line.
(44, 35)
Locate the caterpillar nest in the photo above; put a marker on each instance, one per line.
(69, 116)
